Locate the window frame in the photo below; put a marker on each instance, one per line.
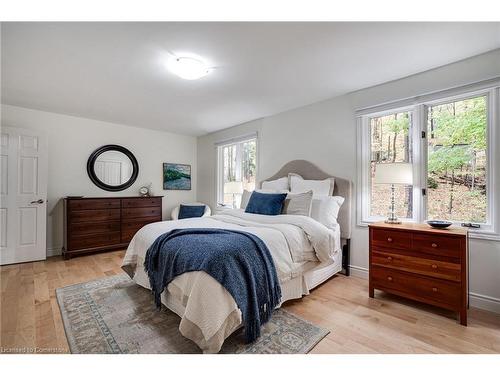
(219, 146)
(419, 106)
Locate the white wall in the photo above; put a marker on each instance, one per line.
(325, 134)
(72, 140)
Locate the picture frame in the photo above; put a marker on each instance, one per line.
(176, 176)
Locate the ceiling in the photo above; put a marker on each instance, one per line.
(116, 71)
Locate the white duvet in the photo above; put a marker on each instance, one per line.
(210, 313)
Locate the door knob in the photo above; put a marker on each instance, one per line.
(40, 201)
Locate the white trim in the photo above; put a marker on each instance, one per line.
(363, 201)
(490, 89)
(237, 139)
(484, 302)
(54, 251)
(360, 272)
(431, 96)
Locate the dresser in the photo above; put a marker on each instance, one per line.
(421, 263)
(100, 224)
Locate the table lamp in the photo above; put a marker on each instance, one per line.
(233, 187)
(393, 173)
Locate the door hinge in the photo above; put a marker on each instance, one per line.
(423, 134)
(424, 192)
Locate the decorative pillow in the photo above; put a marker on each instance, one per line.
(265, 203)
(326, 210)
(279, 184)
(245, 197)
(189, 211)
(320, 188)
(298, 204)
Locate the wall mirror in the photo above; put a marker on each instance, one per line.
(112, 168)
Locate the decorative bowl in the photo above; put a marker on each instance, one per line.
(439, 223)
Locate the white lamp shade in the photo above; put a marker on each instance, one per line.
(233, 187)
(393, 173)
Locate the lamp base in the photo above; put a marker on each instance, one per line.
(390, 220)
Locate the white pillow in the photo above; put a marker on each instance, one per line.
(298, 204)
(326, 210)
(279, 184)
(320, 188)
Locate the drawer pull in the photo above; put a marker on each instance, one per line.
(389, 278)
(434, 289)
(434, 266)
(434, 245)
(389, 259)
(389, 239)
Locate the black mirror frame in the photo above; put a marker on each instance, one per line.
(93, 157)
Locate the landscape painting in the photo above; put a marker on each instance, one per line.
(176, 176)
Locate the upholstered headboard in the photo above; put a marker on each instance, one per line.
(343, 187)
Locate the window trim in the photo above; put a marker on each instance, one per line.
(418, 106)
(219, 181)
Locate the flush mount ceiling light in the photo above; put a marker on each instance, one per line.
(188, 67)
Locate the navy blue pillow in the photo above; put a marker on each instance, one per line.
(186, 212)
(265, 204)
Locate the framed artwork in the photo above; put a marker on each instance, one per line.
(176, 176)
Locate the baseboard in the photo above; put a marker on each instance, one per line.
(360, 272)
(475, 299)
(484, 302)
(54, 251)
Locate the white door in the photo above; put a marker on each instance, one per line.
(23, 195)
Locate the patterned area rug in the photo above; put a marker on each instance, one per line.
(114, 315)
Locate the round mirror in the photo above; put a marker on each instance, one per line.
(112, 168)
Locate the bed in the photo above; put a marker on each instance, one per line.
(305, 253)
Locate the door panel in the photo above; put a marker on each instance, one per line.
(29, 175)
(23, 194)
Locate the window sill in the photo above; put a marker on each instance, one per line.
(484, 235)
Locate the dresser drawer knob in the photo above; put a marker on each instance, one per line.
(389, 278)
(434, 266)
(389, 239)
(434, 245)
(389, 258)
(434, 289)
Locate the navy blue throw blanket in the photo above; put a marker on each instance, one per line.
(240, 261)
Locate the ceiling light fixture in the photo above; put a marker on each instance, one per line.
(188, 67)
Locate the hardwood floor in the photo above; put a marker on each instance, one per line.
(30, 315)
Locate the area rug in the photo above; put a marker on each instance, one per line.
(115, 315)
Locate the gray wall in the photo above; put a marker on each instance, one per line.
(325, 134)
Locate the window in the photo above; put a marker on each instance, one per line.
(237, 170)
(448, 140)
(457, 161)
(391, 142)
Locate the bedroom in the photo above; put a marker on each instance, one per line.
(235, 187)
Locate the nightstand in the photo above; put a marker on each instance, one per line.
(421, 263)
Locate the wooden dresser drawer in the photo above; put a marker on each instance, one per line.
(94, 240)
(391, 239)
(138, 212)
(141, 202)
(94, 227)
(93, 204)
(438, 292)
(442, 245)
(94, 215)
(423, 266)
(130, 227)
